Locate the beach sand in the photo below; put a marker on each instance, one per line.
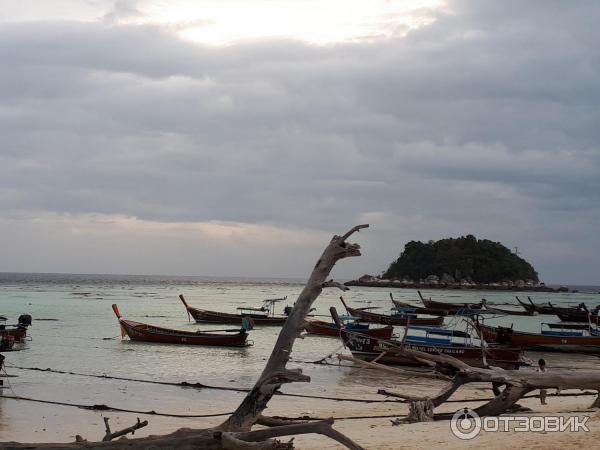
(35, 422)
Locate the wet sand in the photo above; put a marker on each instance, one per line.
(35, 422)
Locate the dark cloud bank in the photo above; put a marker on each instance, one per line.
(484, 122)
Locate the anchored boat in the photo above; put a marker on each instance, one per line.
(399, 319)
(149, 333)
(264, 315)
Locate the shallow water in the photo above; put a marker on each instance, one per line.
(84, 337)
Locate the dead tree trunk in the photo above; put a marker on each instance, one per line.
(275, 372)
(235, 432)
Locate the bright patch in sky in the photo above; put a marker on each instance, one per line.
(319, 22)
(228, 21)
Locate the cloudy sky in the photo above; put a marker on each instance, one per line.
(234, 137)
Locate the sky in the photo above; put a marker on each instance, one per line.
(235, 137)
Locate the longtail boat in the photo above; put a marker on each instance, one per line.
(577, 341)
(412, 309)
(18, 331)
(396, 319)
(456, 307)
(149, 333)
(323, 328)
(389, 352)
(505, 312)
(6, 343)
(259, 316)
(578, 314)
(536, 307)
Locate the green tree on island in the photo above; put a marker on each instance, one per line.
(466, 257)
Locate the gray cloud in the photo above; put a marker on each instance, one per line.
(483, 122)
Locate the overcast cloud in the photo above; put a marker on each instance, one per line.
(126, 148)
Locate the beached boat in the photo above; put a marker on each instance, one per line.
(259, 316)
(575, 340)
(455, 307)
(149, 333)
(400, 319)
(389, 352)
(323, 328)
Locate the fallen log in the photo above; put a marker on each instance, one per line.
(516, 383)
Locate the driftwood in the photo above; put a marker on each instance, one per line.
(109, 436)
(235, 433)
(516, 383)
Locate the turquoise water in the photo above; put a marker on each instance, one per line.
(83, 336)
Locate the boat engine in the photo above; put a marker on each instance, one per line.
(24, 321)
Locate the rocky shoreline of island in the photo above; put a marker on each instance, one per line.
(433, 282)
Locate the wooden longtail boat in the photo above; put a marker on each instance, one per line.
(536, 307)
(18, 331)
(397, 319)
(456, 307)
(149, 333)
(6, 343)
(203, 315)
(412, 309)
(369, 348)
(323, 328)
(545, 341)
(578, 314)
(505, 312)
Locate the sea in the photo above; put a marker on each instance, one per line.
(75, 333)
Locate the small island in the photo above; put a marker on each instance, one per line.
(458, 263)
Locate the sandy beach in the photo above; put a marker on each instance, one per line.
(35, 422)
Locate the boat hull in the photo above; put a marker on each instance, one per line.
(541, 342)
(7, 343)
(205, 316)
(147, 333)
(368, 349)
(578, 316)
(403, 320)
(330, 329)
(19, 334)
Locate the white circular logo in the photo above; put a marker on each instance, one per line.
(465, 424)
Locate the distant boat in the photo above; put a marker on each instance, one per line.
(6, 343)
(576, 340)
(506, 312)
(578, 314)
(449, 307)
(407, 308)
(18, 331)
(323, 328)
(400, 319)
(149, 333)
(536, 307)
(259, 316)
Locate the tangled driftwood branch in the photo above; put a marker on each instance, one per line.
(235, 433)
(516, 383)
(109, 436)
